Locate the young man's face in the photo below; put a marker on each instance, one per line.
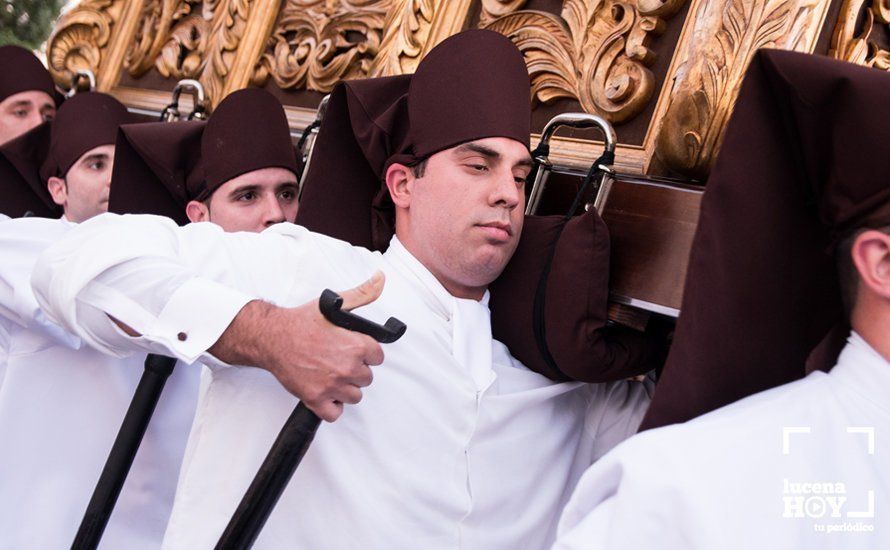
(462, 217)
(83, 193)
(23, 111)
(250, 202)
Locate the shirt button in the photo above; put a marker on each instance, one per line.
(182, 336)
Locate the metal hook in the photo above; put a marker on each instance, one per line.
(79, 75)
(543, 166)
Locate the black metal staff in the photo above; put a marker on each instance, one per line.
(157, 370)
(294, 439)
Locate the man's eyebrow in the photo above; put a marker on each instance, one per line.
(94, 157)
(244, 189)
(477, 148)
(290, 183)
(21, 103)
(490, 153)
(526, 162)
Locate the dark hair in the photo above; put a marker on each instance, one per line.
(419, 168)
(847, 275)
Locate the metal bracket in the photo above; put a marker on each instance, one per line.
(193, 88)
(543, 166)
(307, 141)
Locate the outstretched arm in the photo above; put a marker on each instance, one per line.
(198, 293)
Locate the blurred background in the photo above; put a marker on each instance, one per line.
(29, 23)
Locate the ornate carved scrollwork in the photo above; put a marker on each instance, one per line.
(318, 42)
(859, 49)
(406, 32)
(79, 39)
(492, 9)
(189, 39)
(595, 52)
(722, 38)
(226, 33)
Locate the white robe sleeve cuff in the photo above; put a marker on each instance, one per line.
(195, 317)
(192, 319)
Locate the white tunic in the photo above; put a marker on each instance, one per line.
(455, 444)
(61, 405)
(801, 466)
(5, 325)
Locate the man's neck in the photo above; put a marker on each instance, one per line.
(873, 324)
(466, 293)
(452, 287)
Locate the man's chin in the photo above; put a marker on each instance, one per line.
(491, 264)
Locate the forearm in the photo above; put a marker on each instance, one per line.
(243, 341)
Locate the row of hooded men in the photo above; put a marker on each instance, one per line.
(476, 427)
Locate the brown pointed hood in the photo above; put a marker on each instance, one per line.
(802, 165)
(161, 166)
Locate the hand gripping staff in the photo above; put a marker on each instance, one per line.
(294, 438)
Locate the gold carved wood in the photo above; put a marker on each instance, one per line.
(190, 39)
(405, 33)
(717, 44)
(595, 51)
(91, 36)
(849, 46)
(316, 43)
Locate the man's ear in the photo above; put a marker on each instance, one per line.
(197, 211)
(399, 181)
(871, 256)
(58, 190)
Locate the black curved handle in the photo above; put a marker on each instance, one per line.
(330, 304)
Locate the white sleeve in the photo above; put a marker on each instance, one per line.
(616, 411)
(179, 287)
(21, 241)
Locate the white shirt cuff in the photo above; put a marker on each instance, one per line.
(194, 318)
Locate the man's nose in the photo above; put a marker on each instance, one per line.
(35, 119)
(274, 213)
(109, 170)
(508, 193)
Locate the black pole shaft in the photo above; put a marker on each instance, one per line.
(294, 438)
(273, 476)
(157, 369)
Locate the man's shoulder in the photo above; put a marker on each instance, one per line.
(757, 421)
(32, 229)
(23, 239)
(319, 240)
(326, 259)
(723, 476)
